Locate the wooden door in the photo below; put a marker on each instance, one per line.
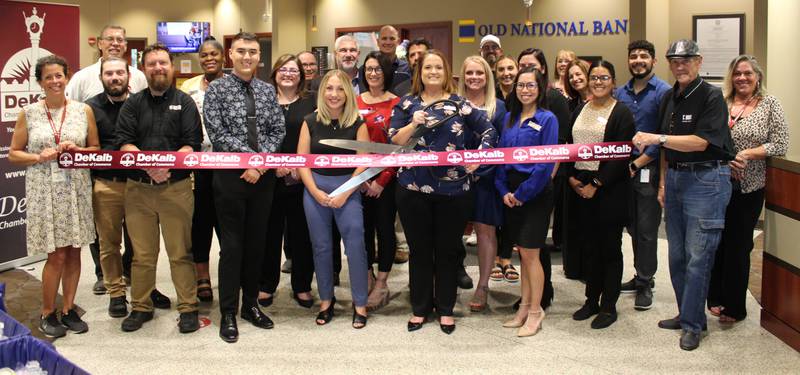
(135, 46)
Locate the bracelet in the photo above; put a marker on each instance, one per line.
(596, 183)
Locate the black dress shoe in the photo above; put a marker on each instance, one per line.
(228, 330)
(447, 328)
(359, 321)
(188, 322)
(587, 311)
(675, 324)
(135, 320)
(254, 315)
(307, 303)
(464, 281)
(118, 307)
(99, 288)
(160, 301)
(412, 326)
(266, 302)
(603, 320)
(689, 340)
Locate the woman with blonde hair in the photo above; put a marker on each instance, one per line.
(560, 73)
(477, 86)
(336, 117)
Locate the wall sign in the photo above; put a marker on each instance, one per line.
(468, 29)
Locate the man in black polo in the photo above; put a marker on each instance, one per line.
(160, 200)
(242, 115)
(695, 184)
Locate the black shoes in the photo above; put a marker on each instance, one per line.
(325, 316)
(689, 341)
(228, 331)
(447, 328)
(99, 288)
(414, 326)
(359, 321)
(266, 302)
(644, 299)
(73, 322)
(254, 315)
(587, 311)
(675, 324)
(160, 301)
(51, 327)
(630, 285)
(464, 281)
(118, 307)
(188, 322)
(135, 320)
(603, 320)
(307, 303)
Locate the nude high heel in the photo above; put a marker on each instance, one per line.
(514, 323)
(526, 330)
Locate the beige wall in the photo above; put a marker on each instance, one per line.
(782, 57)
(342, 13)
(293, 27)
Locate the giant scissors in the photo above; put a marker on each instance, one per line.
(449, 108)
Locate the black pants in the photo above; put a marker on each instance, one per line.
(731, 272)
(242, 212)
(576, 255)
(204, 219)
(433, 225)
(127, 256)
(287, 222)
(379, 216)
(561, 190)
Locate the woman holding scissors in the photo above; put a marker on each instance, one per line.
(435, 202)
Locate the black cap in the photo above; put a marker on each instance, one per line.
(683, 48)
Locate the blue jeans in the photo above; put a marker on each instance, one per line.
(695, 214)
(350, 220)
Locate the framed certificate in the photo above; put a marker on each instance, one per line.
(721, 39)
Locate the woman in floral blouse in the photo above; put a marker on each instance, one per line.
(435, 203)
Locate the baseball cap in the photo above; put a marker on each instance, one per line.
(683, 48)
(490, 38)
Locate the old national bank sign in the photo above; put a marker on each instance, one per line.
(468, 29)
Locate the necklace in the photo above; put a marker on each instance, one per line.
(733, 120)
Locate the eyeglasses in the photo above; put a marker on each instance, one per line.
(603, 78)
(112, 39)
(376, 70)
(308, 65)
(527, 85)
(288, 71)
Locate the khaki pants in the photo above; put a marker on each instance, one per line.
(171, 206)
(108, 201)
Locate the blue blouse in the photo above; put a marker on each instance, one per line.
(453, 135)
(541, 129)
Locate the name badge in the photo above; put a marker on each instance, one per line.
(602, 120)
(365, 112)
(175, 107)
(57, 174)
(449, 108)
(644, 175)
(534, 126)
(686, 118)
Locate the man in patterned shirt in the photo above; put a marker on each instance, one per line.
(242, 115)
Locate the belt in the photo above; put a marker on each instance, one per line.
(688, 166)
(112, 179)
(149, 181)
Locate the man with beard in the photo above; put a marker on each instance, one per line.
(643, 95)
(491, 50)
(160, 118)
(242, 115)
(388, 40)
(108, 195)
(416, 49)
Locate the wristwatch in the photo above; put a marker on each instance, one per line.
(596, 183)
(662, 139)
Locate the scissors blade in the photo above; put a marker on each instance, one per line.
(369, 147)
(357, 180)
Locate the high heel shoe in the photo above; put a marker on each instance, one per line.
(516, 323)
(447, 328)
(326, 315)
(526, 329)
(413, 326)
(359, 321)
(478, 302)
(307, 303)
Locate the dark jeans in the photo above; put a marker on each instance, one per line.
(433, 225)
(204, 219)
(379, 216)
(127, 256)
(731, 272)
(242, 211)
(287, 222)
(643, 227)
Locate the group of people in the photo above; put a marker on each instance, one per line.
(699, 155)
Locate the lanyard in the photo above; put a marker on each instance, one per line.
(733, 120)
(56, 133)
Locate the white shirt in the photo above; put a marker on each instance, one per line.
(86, 82)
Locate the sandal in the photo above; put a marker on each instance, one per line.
(377, 299)
(204, 291)
(715, 310)
(497, 272)
(359, 321)
(477, 303)
(510, 273)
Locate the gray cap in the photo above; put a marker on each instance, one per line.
(683, 48)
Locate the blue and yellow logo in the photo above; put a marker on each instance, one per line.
(466, 31)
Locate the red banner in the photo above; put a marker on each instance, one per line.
(30, 30)
(225, 160)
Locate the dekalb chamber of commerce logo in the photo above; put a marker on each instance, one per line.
(520, 155)
(256, 161)
(191, 160)
(127, 160)
(454, 158)
(18, 86)
(65, 160)
(585, 152)
(322, 161)
(389, 160)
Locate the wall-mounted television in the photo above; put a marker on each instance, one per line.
(182, 37)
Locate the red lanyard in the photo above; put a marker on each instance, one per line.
(56, 133)
(733, 120)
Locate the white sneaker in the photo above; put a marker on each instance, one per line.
(471, 240)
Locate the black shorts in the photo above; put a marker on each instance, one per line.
(526, 226)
